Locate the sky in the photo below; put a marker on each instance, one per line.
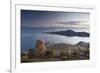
(33, 18)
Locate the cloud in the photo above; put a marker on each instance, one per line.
(86, 23)
(72, 22)
(62, 24)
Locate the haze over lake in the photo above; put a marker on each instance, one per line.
(34, 23)
(29, 36)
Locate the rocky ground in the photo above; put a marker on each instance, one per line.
(58, 52)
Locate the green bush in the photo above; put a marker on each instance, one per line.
(64, 54)
(50, 53)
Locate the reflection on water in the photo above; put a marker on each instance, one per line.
(29, 37)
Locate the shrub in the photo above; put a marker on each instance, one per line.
(73, 54)
(64, 54)
(86, 53)
(50, 53)
(31, 53)
(64, 57)
(23, 54)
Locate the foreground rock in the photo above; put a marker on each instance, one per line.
(40, 47)
(58, 51)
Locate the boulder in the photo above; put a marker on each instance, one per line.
(40, 47)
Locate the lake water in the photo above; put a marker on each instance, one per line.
(30, 35)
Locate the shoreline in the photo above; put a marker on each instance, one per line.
(59, 52)
(52, 43)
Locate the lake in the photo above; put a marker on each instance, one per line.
(29, 36)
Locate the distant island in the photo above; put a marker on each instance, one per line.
(70, 33)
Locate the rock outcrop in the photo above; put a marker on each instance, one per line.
(59, 51)
(40, 47)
